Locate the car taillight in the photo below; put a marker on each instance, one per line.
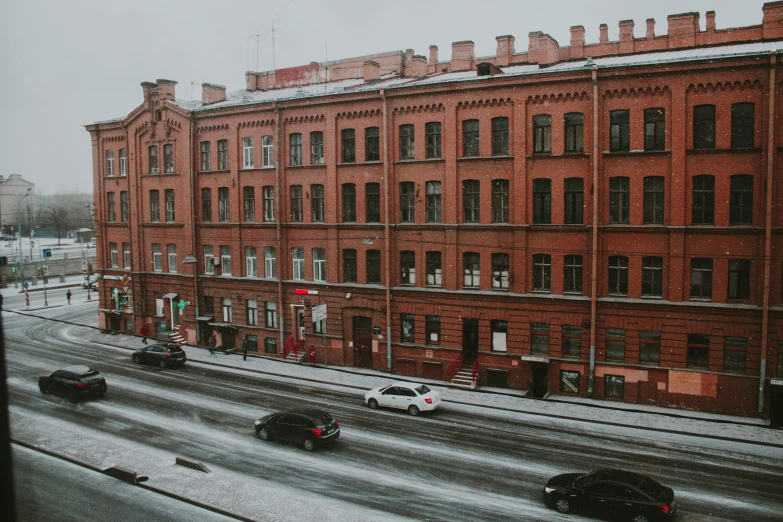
(664, 508)
(428, 400)
(317, 432)
(336, 423)
(80, 385)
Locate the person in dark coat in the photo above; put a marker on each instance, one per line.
(211, 344)
(68, 295)
(143, 330)
(245, 343)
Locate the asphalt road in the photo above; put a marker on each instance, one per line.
(444, 466)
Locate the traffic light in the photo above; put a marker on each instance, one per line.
(84, 272)
(13, 269)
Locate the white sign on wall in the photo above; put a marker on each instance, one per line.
(319, 313)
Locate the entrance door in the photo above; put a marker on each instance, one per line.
(300, 322)
(114, 322)
(776, 409)
(174, 309)
(540, 385)
(469, 339)
(362, 342)
(229, 338)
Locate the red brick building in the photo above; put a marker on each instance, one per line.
(593, 219)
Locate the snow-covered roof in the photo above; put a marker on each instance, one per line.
(394, 81)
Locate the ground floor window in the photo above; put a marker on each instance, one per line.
(433, 329)
(270, 345)
(499, 334)
(698, 350)
(780, 358)
(650, 347)
(615, 344)
(569, 382)
(407, 325)
(572, 337)
(614, 386)
(497, 378)
(319, 327)
(735, 350)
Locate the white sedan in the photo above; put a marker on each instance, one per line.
(404, 396)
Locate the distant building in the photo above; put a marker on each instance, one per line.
(596, 219)
(12, 197)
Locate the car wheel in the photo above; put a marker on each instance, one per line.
(162, 364)
(136, 359)
(372, 403)
(641, 517)
(562, 505)
(44, 388)
(309, 444)
(263, 434)
(413, 410)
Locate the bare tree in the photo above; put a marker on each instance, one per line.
(62, 212)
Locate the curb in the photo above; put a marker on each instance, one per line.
(154, 489)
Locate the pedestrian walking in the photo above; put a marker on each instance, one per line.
(1, 301)
(68, 295)
(144, 332)
(312, 356)
(244, 348)
(211, 344)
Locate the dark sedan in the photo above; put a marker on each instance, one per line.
(74, 382)
(614, 493)
(163, 355)
(310, 427)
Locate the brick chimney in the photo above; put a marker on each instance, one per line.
(543, 49)
(505, 50)
(462, 56)
(211, 93)
(603, 31)
(417, 67)
(577, 49)
(167, 88)
(372, 71)
(710, 16)
(772, 21)
(626, 36)
(651, 28)
(251, 81)
(433, 54)
(682, 29)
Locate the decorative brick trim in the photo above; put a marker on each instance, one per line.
(370, 113)
(305, 119)
(252, 124)
(640, 91)
(732, 86)
(556, 97)
(412, 109)
(475, 104)
(212, 128)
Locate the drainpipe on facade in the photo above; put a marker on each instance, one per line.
(279, 255)
(773, 58)
(194, 238)
(386, 232)
(594, 269)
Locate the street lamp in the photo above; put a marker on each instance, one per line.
(19, 199)
(191, 260)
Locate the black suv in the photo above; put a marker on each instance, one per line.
(163, 355)
(309, 427)
(73, 382)
(615, 493)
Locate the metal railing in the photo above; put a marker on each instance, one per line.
(475, 371)
(453, 368)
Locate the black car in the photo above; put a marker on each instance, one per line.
(611, 492)
(309, 427)
(163, 355)
(73, 382)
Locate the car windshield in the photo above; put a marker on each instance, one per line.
(323, 420)
(650, 487)
(586, 479)
(422, 390)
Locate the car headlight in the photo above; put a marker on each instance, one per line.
(549, 490)
(257, 422)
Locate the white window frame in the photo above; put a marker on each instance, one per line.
(248, 160)
(209, 256)
(319, 264)
(268, 194)
(157, 258)
(225, 260)
(298, 263)
(126, 255)
(267, 151)
(168, 168)
(270, 262)
(115, 262)
(110, 163)
(251, 265)
(227, 311)
(270, 311)
(171, 255)
(123, 162)
(252, 312)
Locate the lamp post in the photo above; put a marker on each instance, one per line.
(191, 260)
(19, 229)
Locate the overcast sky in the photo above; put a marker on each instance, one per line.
(67, 63)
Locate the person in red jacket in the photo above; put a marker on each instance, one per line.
(312, 356)
(144, 333)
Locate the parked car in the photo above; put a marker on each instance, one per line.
(163, 355)
(615, 493)
(310, 427)
(404, 396)
(74, 382)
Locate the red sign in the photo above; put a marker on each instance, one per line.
(304, 291)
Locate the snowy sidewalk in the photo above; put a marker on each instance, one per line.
(492, 402)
